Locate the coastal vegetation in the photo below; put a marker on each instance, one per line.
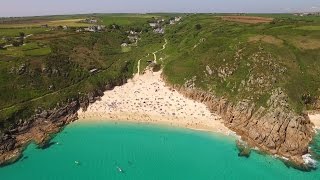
(246, 57)
(53, 65)
(259, 72)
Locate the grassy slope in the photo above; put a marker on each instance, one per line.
(252, 59)
(62, 61)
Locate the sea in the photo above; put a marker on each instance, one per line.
(122, 151)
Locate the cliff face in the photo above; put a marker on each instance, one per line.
(38, 128)
(275, 129)
(45, 123)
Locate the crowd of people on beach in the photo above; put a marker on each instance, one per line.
(146, 98)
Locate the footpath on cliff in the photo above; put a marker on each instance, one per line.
(147, 99)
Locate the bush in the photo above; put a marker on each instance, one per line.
(156, 67)
(198, 26)
(17, 43)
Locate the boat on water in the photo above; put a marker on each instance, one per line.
(120, 170)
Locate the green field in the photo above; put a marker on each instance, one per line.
(126, 19)
(310, 28)
(16, 31)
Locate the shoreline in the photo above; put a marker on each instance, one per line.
(146, 99)
(315, 119)
(210, 127)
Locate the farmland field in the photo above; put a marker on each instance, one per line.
(126, 19)
(310, 28)
(247, 19)
(15, 31)
(65, 22)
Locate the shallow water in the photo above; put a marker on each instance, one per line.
(144, 152)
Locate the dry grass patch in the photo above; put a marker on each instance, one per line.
(267, 39)
(247, 19)
(304, 43)
(65, 22)
(68, 22)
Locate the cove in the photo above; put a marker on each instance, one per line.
(97, 151)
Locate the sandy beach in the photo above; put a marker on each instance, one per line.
(315, 119)
(146, 99)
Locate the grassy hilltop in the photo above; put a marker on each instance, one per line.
(48, 66)
(246, 57)
(264, 70)
(237, 57)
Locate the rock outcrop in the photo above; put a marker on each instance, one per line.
(40, 127)
(275, 129)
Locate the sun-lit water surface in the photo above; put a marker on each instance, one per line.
(100, 150)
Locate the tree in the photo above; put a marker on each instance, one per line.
(198, 26)
(2, 45)
(114, 26)
(17, 43)
(21, 35)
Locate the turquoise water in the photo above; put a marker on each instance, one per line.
(144, 152)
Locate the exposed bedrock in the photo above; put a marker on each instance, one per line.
(275, 129)
(40, 127)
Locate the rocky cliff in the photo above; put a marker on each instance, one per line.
(38, 128)
(274, 129)
(45, 123)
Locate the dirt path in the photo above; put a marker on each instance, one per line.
(52, 93)
(55, 92)
(163, 48)
(139, 66)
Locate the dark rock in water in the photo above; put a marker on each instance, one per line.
(274, 128)
(23, 157)
(14, 158)
(47, 145)
(244, 149)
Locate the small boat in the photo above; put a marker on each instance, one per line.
(77, 162)
(119, 169)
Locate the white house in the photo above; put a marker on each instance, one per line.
(153, 24)
(159, 30)
(177, 19)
